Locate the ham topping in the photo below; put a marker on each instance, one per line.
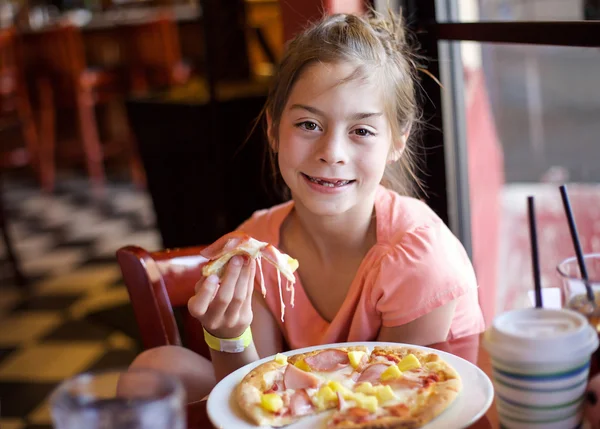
(373, 373)
(295, 378)
(300, 403)
(328, 360)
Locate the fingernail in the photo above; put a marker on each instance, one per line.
(213, 279)
(236, 260)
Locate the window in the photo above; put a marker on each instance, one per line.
(518, 116)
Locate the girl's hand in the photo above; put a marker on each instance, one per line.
(225, 309)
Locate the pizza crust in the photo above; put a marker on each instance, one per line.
(248, 393)
(441, 397)
(386, 422)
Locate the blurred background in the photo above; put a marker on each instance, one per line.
(133, 122)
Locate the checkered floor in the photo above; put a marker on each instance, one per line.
(77, 315)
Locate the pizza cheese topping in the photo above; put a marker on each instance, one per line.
(397, 389)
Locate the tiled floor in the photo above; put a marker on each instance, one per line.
(77, 316)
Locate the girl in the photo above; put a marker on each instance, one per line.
(374, 265)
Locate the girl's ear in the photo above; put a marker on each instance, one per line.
(399, 146)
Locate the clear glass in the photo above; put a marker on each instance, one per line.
(526, 10)
(574, 290)
(531, 125)
(140, 399)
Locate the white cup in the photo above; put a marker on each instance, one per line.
(540, 365)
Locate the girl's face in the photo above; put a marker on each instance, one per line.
(334, 139)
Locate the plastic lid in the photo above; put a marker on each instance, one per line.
(540, 335)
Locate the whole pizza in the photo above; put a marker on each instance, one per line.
(389, 387)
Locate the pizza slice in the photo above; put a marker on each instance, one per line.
(240, 243)
(399, 387)
(282, 391)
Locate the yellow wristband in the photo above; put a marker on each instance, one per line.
(229, 345)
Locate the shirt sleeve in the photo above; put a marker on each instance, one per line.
(426, 269)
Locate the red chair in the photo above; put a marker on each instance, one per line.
(65, 80)
(15, 106)
(153, 54)
(158, 283)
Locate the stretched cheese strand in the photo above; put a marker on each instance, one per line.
(262, 278)
(290, 288)
(280, 294)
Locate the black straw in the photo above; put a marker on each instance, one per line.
(576, 243)
(534, 253)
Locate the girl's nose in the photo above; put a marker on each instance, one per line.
(332, 149)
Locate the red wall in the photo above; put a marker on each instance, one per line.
(297, 13)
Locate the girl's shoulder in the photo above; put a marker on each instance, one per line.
(399, 217)
(264, 224)
(415, 243)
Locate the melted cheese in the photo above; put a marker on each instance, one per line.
(341, 375)
(290, 288)
(263, 289)
(280, 294)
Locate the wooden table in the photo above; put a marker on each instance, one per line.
(468, 348)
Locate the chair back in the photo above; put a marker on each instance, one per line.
(8, 62)
(159, 282)
(153, 52)
(15, 107)
(60, 55)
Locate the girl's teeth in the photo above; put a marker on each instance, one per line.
(328, 184)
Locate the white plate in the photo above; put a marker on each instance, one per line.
(470, 405)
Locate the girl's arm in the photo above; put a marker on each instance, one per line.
(431, 328)
(265, 331)
(226, 308)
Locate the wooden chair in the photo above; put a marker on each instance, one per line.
(159, 282)
(15, 106)
(64, 80)
(153, 54)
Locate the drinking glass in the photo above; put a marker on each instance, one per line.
(574, 290)
(119, 399)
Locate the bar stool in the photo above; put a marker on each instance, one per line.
(153, 53)
(64, 79)
(15, 106)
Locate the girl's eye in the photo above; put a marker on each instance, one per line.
(363, 132)
(308, 125)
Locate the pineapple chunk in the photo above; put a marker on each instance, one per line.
(366, 401)
(366, 388)
(409, 362)
(280, 359)
(271, 402)
(302, 365)
(355, 358)
(384, 393)
(336, 386)
(391, 373)
(325, 398)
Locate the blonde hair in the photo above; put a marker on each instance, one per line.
(379, 46)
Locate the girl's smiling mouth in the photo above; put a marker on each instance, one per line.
(324, 182)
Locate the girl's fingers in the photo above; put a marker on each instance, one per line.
(228, 285)
(247, 306)
(241, 291)
(205, 292)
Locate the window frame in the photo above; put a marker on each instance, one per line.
(444, 139)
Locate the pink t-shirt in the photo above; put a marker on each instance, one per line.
(416, 265)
